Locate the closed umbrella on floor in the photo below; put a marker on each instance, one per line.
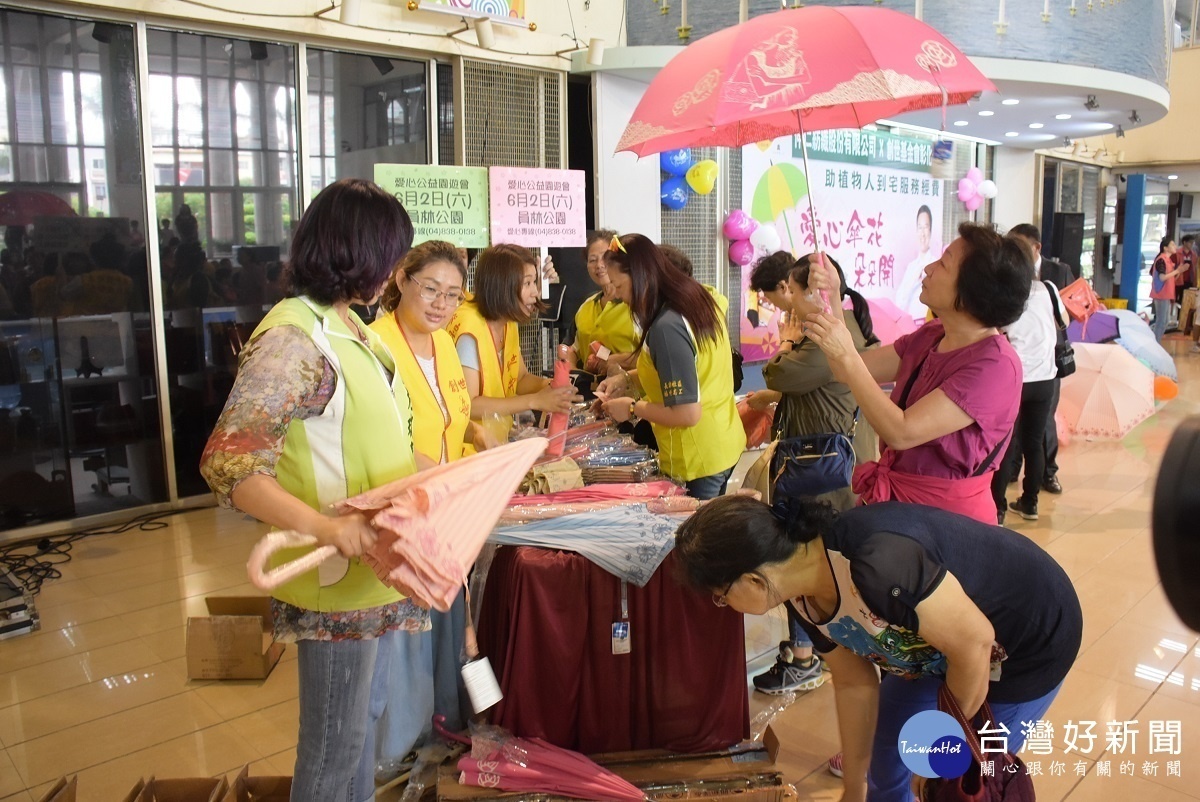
(1109, 393)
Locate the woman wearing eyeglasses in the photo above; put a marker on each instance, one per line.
(929, 597)
(484, 328)
(683, 368)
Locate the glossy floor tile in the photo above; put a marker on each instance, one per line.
(102, 690)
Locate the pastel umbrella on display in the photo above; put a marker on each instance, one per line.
(795, 71)
(20, 207)
(781, 187)
(1138, 339)
(430, 526)
(1109, 393)
(890, 321)
(1102, 327)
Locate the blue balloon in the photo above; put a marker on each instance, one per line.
(675, 162)
(674, 193)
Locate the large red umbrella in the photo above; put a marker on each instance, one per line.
(20, 207)
(802, 69)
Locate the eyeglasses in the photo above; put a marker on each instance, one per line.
(616, 246)
(431, 294)
(719, 598)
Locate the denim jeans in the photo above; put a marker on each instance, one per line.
(888, 779)
(707, 487)
(343, 692)
(796, 633)
(1162, 313)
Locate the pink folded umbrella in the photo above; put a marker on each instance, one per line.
(430, 526)
(604, 492)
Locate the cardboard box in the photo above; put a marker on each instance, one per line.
(259, 789)
(63, 791)
(234, 642)
(187, 789)
(736, 775)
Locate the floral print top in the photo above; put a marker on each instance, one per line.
(283, 376)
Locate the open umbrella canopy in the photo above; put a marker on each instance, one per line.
(1102, 327)
(889, 321)
(20, 207)
(1138, 339)
(802, 69)
(1109, 393)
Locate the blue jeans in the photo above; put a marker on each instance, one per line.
(889, 780)
(343, 692)
(707, 487)
(796, 633)
(1162, 313)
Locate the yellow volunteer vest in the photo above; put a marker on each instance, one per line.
(718, 440)
(611, 325)
(498, 379)
(433, 429)
(722, 301)
(362, 440)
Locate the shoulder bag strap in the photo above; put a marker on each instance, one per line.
(912, 379)
(1053, 306)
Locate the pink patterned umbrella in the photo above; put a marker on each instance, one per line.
(1109, 393)
(802, 69)
(430, 526)
(889, 321)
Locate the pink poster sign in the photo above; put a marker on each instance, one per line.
(537, 208)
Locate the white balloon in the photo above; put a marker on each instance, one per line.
(987, 189)
(765, 238)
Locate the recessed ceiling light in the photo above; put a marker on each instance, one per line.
(1011, 101)
(1062, 116)
(1172, 178)
(986, 113)
(1012, 133)
(1036, 125)
(960, 122)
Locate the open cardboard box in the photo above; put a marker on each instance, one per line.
(63, 791)
(735, 775)
(186, 789)
(259, 789)
(234, 641)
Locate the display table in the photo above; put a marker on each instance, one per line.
(546, 624)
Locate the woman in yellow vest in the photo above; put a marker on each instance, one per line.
(602, 318)
(316, 396)
(507, 292)
(424, 292)
(684, 368)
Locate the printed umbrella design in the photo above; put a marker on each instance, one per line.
(1102, 327)
(21, 207)
(1138, 339)
(889, 321)
(781, 187)
(427, 536)
(1109, 393)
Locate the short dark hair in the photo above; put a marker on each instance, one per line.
(678, 258)
(1026, 231)
(925, 210)
(771, 270)
(658, 284)
(995, 276)
(604, 235)
(735, 535)
(498, 276)
(347, 242)
(416, 260)
(1186, 238)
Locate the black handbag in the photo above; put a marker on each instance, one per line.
(1064, 354)
(812, 464)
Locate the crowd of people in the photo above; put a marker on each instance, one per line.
(439, 373)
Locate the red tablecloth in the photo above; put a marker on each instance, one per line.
(546, 625)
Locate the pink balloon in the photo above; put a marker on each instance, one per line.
(739, 225)
(966, 186)
(966, 194)
(741, 252)
(975, 174)
(973, 203)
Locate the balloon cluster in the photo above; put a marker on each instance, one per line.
(747, 238)
(683, 174)
(973, 190)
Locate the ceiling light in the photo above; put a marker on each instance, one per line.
(1012, 133)
(1090, 104)
(1062, 116)
(960, 123)
(1172, 178)
(1107, 126)
(484, 33)
(1036, 125)
(1011, 101)
(986, 113)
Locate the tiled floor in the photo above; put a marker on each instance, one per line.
(102, 689)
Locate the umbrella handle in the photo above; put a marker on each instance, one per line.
(439, 726)
(270, 578)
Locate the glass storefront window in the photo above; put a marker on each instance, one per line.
(225, 159)
(79, 412)
(364, 110)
